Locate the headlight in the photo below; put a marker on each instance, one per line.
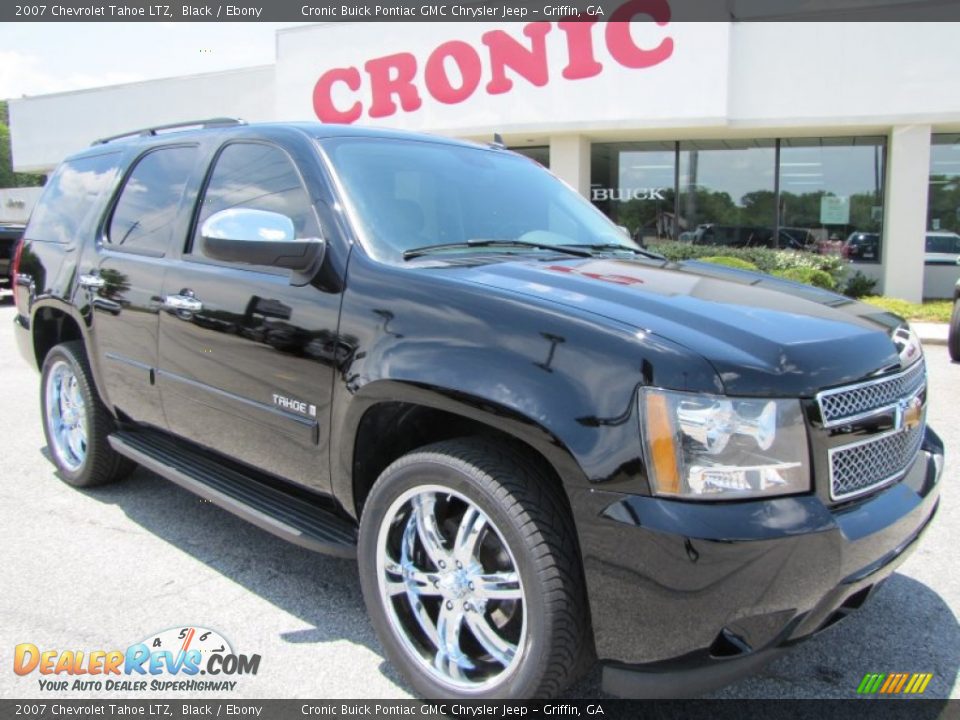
(710, 447)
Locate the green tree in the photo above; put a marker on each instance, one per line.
(9, 178)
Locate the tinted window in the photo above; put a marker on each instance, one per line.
(147, 208)
(71, 194)
(260, 177)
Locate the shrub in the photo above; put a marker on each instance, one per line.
(860, 286)
(766, 260)
(929, 311)
(732, 262)
(808, 276)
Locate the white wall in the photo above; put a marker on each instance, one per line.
(47, 128)
(940, 280)
(846, 73)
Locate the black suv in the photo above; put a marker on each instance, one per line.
(543, 444)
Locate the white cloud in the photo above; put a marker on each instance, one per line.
(21, 73)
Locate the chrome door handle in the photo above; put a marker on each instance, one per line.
(94, 282)
(183, 303)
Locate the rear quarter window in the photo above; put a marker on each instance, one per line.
(75, 191)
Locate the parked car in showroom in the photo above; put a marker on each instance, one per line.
(862, 246)
(544, 445)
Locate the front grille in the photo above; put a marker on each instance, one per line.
(872, 463)
(842, 405)
(869, 463)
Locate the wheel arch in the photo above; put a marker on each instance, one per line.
(52, 322)
(423, 414)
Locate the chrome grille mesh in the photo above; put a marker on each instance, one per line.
(867, 464)
(862, 466)
(841, 404)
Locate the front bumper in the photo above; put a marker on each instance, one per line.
(685, 597)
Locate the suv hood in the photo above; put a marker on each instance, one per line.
(763, 335)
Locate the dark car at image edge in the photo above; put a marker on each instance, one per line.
(544, 445)
(10, 234)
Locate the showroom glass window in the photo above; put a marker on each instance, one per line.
(943, 203)
(147, 207)
(831, 193)
(727, 192)
(633, 183)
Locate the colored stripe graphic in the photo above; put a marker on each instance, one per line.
(894, 683)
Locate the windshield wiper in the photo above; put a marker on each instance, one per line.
(619, 247)
(482, 242)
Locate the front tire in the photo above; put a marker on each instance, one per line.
(75, 422)
(471, 573)
(953, 339)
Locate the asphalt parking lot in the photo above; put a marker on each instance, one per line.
(106, 568)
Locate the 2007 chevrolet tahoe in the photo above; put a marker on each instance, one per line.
(543, 444)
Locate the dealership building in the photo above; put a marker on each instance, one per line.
(728, 132)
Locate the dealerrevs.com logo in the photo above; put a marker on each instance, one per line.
(179, 659)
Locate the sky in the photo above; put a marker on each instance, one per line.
(39, 58)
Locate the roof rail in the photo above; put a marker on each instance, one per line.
(151, 131)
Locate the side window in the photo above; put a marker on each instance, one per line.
(259, 177)
(147, 208)
(71, 194)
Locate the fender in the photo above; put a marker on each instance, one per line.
(471, 407)
(86, 335)
(561, 380)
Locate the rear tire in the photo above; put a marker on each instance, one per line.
(471, 573)
(953, 339)
(75, 422)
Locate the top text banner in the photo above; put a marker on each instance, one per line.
(472, 11)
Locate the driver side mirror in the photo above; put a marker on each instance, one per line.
(259, 237)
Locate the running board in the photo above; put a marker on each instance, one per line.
(291, 518)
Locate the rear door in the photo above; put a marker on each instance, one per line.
(124, 276)
(246, 356)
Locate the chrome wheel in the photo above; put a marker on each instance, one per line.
(451, 589)
(66, 415)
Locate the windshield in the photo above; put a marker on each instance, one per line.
(412, 194)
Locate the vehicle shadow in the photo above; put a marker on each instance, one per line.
(322, 591)
(907, 627)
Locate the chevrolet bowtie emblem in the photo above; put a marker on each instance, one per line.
(909, 413)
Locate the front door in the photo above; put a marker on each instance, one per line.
(246, 367)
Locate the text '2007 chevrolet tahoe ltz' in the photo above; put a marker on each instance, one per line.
(543, 444)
